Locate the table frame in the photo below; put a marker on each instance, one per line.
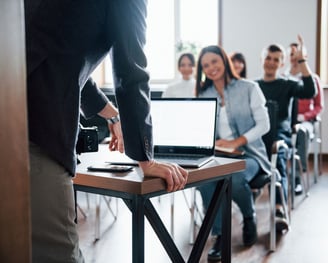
(141, 207)
(138, 202)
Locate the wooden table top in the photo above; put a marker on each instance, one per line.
(133, 182)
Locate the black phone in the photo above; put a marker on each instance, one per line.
(106, 167)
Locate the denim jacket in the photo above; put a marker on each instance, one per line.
(247, 115)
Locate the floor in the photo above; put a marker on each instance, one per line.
(306, 241)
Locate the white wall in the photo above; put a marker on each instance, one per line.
(250, 25)
(325, 122)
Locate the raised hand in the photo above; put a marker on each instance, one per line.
(300, 52)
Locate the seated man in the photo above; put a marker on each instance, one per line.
(283, 91)
(308, 110)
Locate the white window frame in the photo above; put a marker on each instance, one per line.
(323, 41)
(106, 65)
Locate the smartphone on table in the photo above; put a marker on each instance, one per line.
(107, 167)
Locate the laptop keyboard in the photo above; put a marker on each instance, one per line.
(179, 156)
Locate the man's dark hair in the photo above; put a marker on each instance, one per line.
(294, 44)
(274, 48)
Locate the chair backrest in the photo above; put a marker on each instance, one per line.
(294, 112)
(261, 179)
(271, 136)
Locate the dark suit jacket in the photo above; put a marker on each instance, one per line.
(65, 41)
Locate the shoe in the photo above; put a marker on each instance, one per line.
(214, 254)
(298, 189)
(281, 221)
(249, 231)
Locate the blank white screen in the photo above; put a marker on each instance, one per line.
(183, 122)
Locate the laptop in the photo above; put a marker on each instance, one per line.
(183, 131)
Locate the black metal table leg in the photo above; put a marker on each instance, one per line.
(220, 194)
(138, 230)
(162, 233)
(226, 224)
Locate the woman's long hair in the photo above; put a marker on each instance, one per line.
(241, 58)
(190, 56)
(229, 73)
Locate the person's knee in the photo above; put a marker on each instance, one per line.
(207, 189)
(206, 192)
(238, 181)
(239, 186)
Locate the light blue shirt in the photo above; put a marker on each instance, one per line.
(247, 116)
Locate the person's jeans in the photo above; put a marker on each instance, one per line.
(283, 155)
(303, 141)
(241, 193)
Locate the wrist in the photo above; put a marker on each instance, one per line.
(241, 141)
(145, 164)
(113, 120)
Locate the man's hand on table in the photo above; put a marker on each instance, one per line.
(174, 175)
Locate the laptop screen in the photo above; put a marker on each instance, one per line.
(184, 125)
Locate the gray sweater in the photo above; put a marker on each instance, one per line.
(247, 116)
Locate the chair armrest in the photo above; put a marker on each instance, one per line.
(261, 179)
(317, 118)
(277, 145)
(296, 128)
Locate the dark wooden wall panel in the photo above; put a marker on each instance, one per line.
(15, 244)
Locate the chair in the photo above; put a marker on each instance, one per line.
(78, 207)
(262, 179)
(98, 199)
(314, 138)
(298, 133)
(317, 148)
(273, 179)
(107, 200)
(172, 207)
(315, 141)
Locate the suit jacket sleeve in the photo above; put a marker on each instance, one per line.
(131, 79)
(93, 100)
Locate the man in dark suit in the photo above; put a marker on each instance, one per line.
(65, 41)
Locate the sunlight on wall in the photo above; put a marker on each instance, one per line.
(169, 22)
(199, 21)
(160, 37)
